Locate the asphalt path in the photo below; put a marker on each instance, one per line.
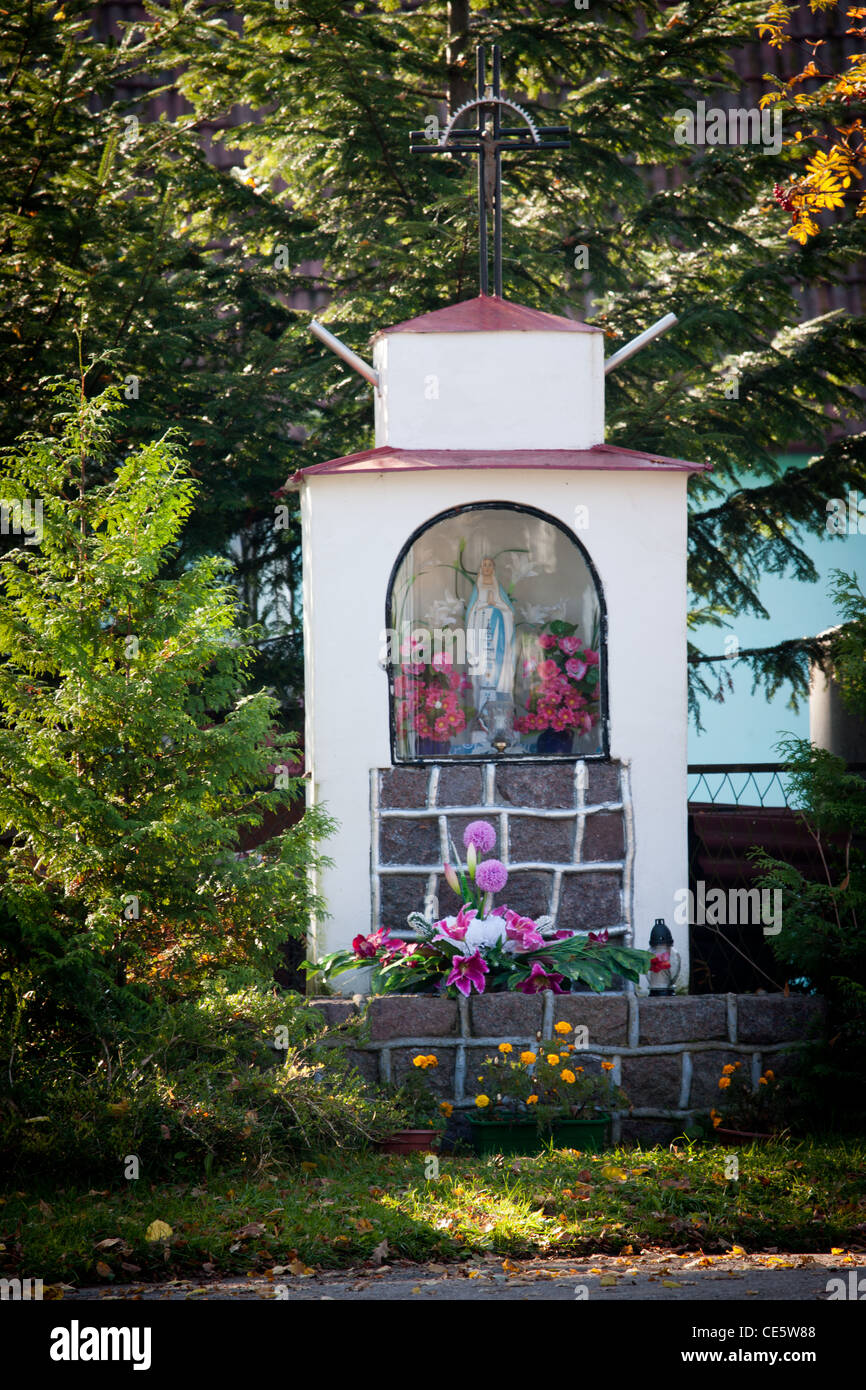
(659, 1277)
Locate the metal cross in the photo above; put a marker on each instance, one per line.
(488, 138)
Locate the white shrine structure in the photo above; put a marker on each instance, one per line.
(490, 459)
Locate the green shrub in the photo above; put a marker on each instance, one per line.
(209, 1086)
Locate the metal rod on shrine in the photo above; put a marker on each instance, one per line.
(480, 72)
(351, 358)
(640, 341)
(497, 189)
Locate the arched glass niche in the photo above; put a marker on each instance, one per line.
(496, 640)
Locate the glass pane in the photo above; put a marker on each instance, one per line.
(495, 641)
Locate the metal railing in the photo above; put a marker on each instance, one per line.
(745, 784)
(739, 784)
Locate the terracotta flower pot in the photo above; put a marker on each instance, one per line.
(408, 1141)
(741, 1136)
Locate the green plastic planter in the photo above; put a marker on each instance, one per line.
(523, 1137)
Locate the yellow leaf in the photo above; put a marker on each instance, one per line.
(510, 1267)
(608, 1281)
(363, 1225)
(836, 1250)
(614, 1174)
(158, 1230)
(670, 1284)
(737, 1250)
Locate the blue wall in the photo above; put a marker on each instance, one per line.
(745, 727)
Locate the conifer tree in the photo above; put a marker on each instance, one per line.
(132, 755)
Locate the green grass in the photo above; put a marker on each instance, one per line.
(801, 1196)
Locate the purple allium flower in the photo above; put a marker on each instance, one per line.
(539, 979)
(481, 834)
(491, 876)
(468, 971)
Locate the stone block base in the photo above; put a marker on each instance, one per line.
(667, 1053)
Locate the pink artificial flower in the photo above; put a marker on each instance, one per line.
(522, 930)
(569, 645)
(547, 669)
(442, 661)
(467, 971)
(660, 962)
(547, 641)
(540, 979)
(576, 669)
(561, 935)
(590, 657)
(451, 878)
(491, 876)
(601, 937)
(367, 947)
(460, 927)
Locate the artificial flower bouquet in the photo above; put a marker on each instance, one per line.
(545, 1083)
(564, 683)
(428, 697)
(481, 948)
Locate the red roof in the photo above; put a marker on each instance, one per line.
(600, 457)
(487, 313)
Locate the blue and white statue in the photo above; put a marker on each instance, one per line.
(491, 649)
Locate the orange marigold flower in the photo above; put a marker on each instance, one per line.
(553, 1058)
(447, 1108)
(528, 1058)
(481, 1101)
(724, 1083)
(770, 1075)
(728, 1070)
(568, 1076)
(607, 1066)
(562, 1027)
(532, 1100)
(505, 1047)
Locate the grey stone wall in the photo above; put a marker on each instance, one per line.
(565, 836)
(667, 1053)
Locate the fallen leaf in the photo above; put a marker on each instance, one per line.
(103, 1270)
(255, 1228)
(417, 1289)
(379, 1253)
(737, 1250)
(670, 1284)
(158, 1230)
(45, 1208)
(362, 1224)
(130, 1269)
(608, 1281)
(614, 1174)
(109, 1243)
(510, 1267)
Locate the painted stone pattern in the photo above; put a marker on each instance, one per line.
(564, 834)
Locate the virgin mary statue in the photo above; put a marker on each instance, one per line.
(490, 646)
